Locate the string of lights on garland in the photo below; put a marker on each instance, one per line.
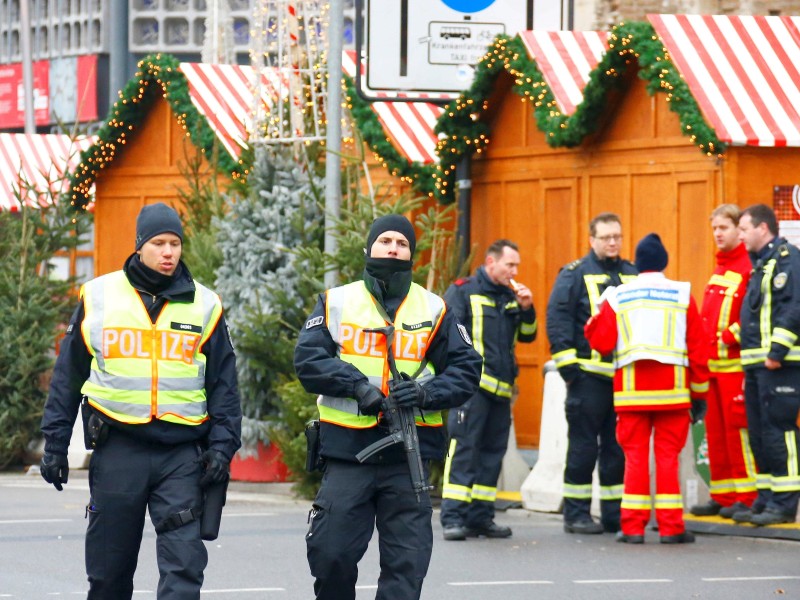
(462, 132)
(419, 175)
(130, 110)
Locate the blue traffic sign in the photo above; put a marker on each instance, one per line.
(468, 6)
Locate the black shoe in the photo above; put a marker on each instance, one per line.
(727, 512)
(489, 530)
(709, 509)
(744, 516)
(771, 517)
(585, 526)
(629, 539)
(687, 537)
(454, 532)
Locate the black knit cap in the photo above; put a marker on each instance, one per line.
(651, 254)
(392, 223)
(155, 219)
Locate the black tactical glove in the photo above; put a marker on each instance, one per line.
(408, 392)
(215, 468)
(55, 469)
(698, 410)
(370, 399)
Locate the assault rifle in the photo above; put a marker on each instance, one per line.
(402, 427)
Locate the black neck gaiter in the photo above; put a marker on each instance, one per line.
(146, 279)
(388, 280)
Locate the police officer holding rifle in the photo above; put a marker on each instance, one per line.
(148, 359)
(350, 355)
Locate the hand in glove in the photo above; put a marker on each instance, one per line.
(408, 392)
(370, 399)
(55, 469)
(698, 410)
(215, 468)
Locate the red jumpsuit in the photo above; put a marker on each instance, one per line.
(653, 327)
(733, 472)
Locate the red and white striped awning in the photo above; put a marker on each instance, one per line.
(408, 124)
(744, 72)
(566, 58)
(224, 95)
(32, 167)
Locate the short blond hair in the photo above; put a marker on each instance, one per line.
(727, 211)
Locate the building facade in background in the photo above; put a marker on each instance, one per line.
(74, 47)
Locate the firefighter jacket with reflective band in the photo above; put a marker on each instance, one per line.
(722, 305)
(770, 318)
(659, 342)
(350, 309)
(142, 370)
(572, 301)
(495, 322)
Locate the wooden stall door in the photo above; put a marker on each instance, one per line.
(559, 230)
(695, 248)
(115, 231)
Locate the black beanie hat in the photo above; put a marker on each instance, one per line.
(651, 254)
(392, 223)
(155, 219)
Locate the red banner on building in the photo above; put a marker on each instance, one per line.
(12, 95)
(86, 108)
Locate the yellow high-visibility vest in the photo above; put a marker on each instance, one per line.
(651, 320)
(350, 309)
(143, 370)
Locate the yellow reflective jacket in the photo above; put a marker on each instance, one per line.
(143, 370)
(350, 309)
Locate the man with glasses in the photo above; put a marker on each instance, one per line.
(591, 420)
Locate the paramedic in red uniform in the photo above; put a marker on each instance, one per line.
(733, 472)
(654, 329)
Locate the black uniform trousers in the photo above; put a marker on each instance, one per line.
(127, 476)
(478, 441)
(772, 400)
(353, 500)
(591, 437)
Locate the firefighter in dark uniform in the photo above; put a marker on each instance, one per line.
(148, 359)
(498, 312)
(770, 327)
(589, 377)
(348, 366)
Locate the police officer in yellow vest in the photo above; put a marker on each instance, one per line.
(348, 366)
(148, 359)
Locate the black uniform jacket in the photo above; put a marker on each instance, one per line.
(499, 330)
(222, 431)
(321, 371)
(783, 308)
(577, 287)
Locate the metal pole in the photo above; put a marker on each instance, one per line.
(464, 186)
(333, 134)
(118, 72)
(27, 65)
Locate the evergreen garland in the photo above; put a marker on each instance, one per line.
(462, 132)
(460, 128)
(419, 175)
(130, 110)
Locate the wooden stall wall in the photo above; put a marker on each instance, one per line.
(751, 173)
(147, 170)
(637, 164)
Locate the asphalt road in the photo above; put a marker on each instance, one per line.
(261, 554)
